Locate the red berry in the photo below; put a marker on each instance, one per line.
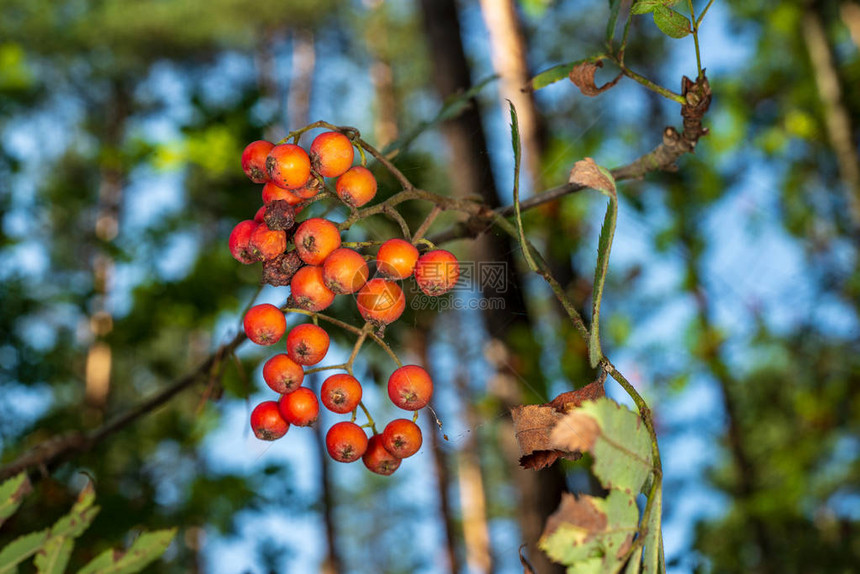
(288, 166)
(282, 374)
(331, 154)
(307, 344)
(265, 324)
(268, 243)
(254, 160)
(437, 272)
(345, 271)
(315, 239)
(396, 259)
(341, 393)
(356, 187)
(381, 301)
(402, 438)
(377, 459)
(308, 289)
(240, 242)
(299, 408)
(346, 441)
(410, 387)
(267, 422)
(260, 215)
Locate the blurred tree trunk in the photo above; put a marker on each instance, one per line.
(111, 176)
(472, 174)
(840, 130)
(509, 53)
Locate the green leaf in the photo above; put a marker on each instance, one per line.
(556, 73)
(20, 549)
(616, 438)
(647, 6)
(634, 565)
(147, 548)
(654, 560)
(12, 493)
(515, 142)
(451, 108)
(614, 7)
(54, 556)
(672, 23)
(589, 174)
(591, 534)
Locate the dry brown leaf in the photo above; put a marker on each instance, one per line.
(532, 427)
(582, 77)
(579, 511)
(585, 172)
(565, 402)
(576, 431)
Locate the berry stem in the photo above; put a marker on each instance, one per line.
(360, 244)
(341, 366)
(355, 348)
(369, 418)
(425, 225)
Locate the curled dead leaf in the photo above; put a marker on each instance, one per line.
(532, 427)
(575, 431)
(579, 511)
(582, 77)
(565, 402)
(587, 173)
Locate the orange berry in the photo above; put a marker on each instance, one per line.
(272, 192)
(268, 243)
(381, 301)
(308, 289)
(402, 438)
(282, 374)
(240, 242)
(377, 459)
(267, 422)
(331, 154)
(345, 271)
(265, 324)
(346, 441)
(410, 387)
(254, 160)
(341, 393)
(356, 187)
(436, 272)
(396, 259)
(300, 408)
(310, 189)
(315, 239)
(288, 166)
(307, 344)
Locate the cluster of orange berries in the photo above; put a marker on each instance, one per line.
(310, 258)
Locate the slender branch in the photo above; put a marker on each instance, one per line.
(52, 452)
(425, 225)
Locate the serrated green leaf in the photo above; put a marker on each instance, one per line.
(556, 73)
(616, 438)
(614, 8)
(647, 6)
(451, 108)
(54, 556)
(12, 494)
(20, 549)
(654, 560)
(147, 548)
(586, 172)
(672, 23)
(590, 534)
(79, 518)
